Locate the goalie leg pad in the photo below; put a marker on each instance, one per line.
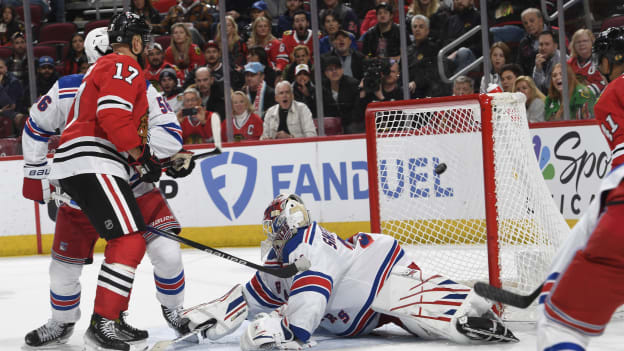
(219, 317)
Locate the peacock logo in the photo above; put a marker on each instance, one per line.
(543, 157)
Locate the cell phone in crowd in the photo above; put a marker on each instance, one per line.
(189, 111)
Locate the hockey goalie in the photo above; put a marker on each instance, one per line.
(352, 287)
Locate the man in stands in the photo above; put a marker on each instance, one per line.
(212, 54)
(260, 94)
(463, 18)
(422, 54)
(533, 22)
(341, 96)
(302, 35)
(346, 16)
(211, 91)
(545, 59)
(509, 73)
(17, 63)
(156, 60)
(285, 21)
(383, 40)
(352, 60)
(288, 118)
(463, 85)
(168, 81)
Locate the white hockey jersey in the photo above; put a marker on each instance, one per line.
(337, 291)
(48, 117)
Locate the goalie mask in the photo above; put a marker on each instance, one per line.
(284, 216)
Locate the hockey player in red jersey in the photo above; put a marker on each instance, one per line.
(585, 285)
(108, 119)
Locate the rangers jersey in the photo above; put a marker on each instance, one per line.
(337, 292)
(108, 117)
(48, 116)
(609, 111)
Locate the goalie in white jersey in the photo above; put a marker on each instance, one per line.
(352, 287)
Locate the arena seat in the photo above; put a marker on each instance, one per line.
(36, 14)
(95, 24)
(9, 146)
(45, 50)
(332, 125)
(5, 51)
(57, 31)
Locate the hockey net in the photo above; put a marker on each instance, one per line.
(489, 216)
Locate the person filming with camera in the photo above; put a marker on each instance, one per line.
(381, 82)
(193, 118)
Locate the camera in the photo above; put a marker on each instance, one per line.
(374, 70)
(189, 111)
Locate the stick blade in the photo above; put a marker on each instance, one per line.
(506, 297)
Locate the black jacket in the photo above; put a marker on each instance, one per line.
(357, 62)
(348, 105)
(371, 38)
(423, 69)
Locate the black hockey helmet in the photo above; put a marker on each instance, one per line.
(609, 44)
(125, 25)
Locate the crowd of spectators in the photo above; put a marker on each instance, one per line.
(271, 56)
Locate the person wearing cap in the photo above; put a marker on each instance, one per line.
(370, 19)
(171, 91)
(352, 60)
(17, 63)
(156, 63)
(192, 12)
(341, 95)
(302, 35)
(288, 118)
(259, 9)
(301, 54)
(303, 88)
(46, 74)
(11, 92)
(260, 94)
(285, 20)
(346, 16)
(212, 53)
(383, 39)
(331, 25)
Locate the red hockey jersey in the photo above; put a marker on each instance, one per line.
(251, 128)
(596, 81)
(609, 111)
(108, 116)
(289, 41)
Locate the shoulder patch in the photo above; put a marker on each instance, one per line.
(288, 32)
(197, 51)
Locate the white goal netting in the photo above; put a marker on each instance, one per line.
(441, 218)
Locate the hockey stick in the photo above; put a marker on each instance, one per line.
(504, 296)
(215, 125)
(300, 265)
(163, 345)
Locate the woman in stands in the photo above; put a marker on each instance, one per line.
(236, 46)
(261, 36)
(500, 54)
(9, 24)
(581, 60)
(75, 55)
(182, 52)
(246, 125)
(145, 9)
(534, 98)
(581, 98)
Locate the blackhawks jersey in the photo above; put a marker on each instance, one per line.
(609, 111)
(337, 292)
(108, 117)
(289, 42)
(249, 129)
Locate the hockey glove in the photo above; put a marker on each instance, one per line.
(270, 332)
(183, 164)
(147, 166)
(36, 185)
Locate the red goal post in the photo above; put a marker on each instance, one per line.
(489, 216)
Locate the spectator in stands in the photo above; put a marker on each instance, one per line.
(288, 118)
(500, 54)
(331, 26)
(581, 60)
(534, 98)
(388, 90)
(261, 36)
(463, 18)
(236, 46)
(533, 22)
(168, 81)
(285, 21)
(259, 9)
(301, 35)
(145, 9)
(346, 16)
(182, 52)
(463, 85)
(17, 63)
(46, 75)
(246, 125)
(258, 91)
(9, 24)
(83, 64)
(76, 53)
(437, 13)
(156, 63)
(352, 60)
(383, 40)
(370, 20)
(546, 58)
(10, 95)
(509, 73)
(424, 79)
(303, 88)
(505, 19)
(211, 92)
(581, 98)
(258, 54)
(341, 97)
(44, 4)
(187, 11)
(193, 119)
(299, 55)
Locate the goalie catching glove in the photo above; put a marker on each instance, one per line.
(147, 165)
(183, 164)
(272, 332)
(36, 185)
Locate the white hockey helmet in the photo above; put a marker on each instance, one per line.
(96, 44)
(282, 218)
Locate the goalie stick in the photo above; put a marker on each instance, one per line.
(215, 125)
(300, 265)
(163, 345)
(504, 296)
